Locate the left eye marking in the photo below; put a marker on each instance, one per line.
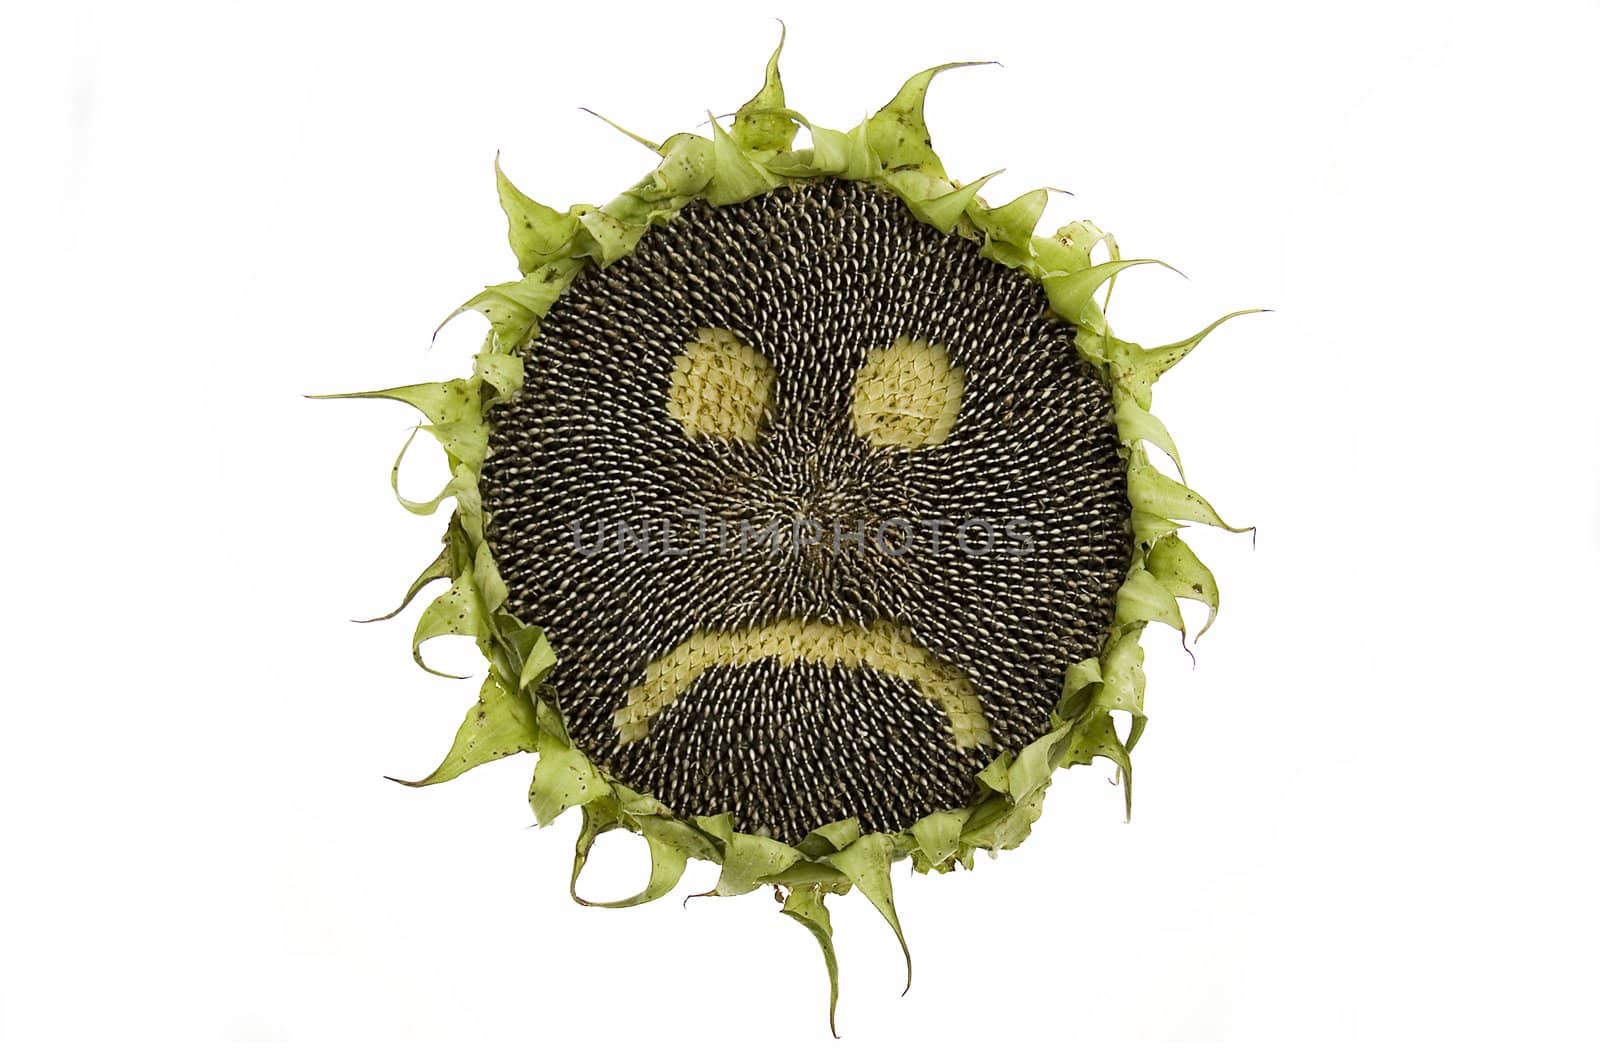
(721, 387)
(907, 395)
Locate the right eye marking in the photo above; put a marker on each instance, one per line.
(907, 395)
(721, 387)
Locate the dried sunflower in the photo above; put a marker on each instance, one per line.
(802, 510)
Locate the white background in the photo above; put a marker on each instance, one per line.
(1364, 823)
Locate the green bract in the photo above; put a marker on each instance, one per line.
(516, 708)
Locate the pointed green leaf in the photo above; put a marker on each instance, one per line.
(938, 835)
(1035, 762)
(1135, 424)
(1142, 599)
(866, 862)
(667, 864)
(848, 154)
(1013, 223)
(1071, 249)
(465, 441)
(757, 126)
(438, 401)
(420, 507)
(492, 593)
(1072, 294)
(996, 774)
(943, 211)
(498, 725)
(749, 859)
(830, 838)
(1147, 527)
(719, 827)
(660, 824)
(500, 369)
(806, 905)
(439, 569)
(538, 659)
(688, 164)
(604, 238)
(1144, 365)
(898, 133)
(737, 176)
(456, 612)
(1186, 576)
(1008, 229)
(1081, 675)
(1162, 496)
(562, 779)
(630, 134)
(1122, 677)
(1001, 824)
(537, 233)
(1096, 736)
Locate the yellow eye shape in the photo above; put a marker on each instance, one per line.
(907, 395)
(721, 387)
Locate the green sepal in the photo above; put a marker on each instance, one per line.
(515, 307)
(1135, 424)
(831, 838)
(1031, 768)
(1174, 564)
(1136, 368)
(438, 401)
(1001, 824)
(1121, 676)
(466, 441)
(1008, 229)
(844, 154)
(760, 124)
(630, 134)
(866, 861)
(1147, 527)
(807, 907)
(938, 837)
(456, 612)
(441, 568)
(603, 238)
(1071, 249)
(562, 779)
(898, 133)
(996, 775)
(943, 211)
(1155, 493)
(1096, 736)
(500, 369)
(667, 861)
(537, 234)
(750, 860)
(538, 658)
(737, 176)
(1072, 294)
(1142, 598)
(498, 725)
(687, 165)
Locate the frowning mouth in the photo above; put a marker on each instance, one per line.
(884, 647)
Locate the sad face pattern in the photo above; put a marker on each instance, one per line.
(814, 503)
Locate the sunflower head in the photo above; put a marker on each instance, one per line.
(802, 510)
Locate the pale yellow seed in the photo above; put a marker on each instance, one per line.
(720, 387)
(907, 395)
(884, 647)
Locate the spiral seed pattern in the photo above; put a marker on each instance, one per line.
(998, 550)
